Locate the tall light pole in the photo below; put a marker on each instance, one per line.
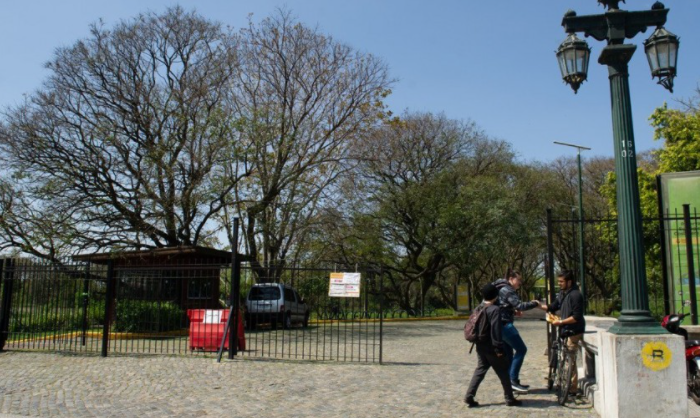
(581, 251)
(614, 26)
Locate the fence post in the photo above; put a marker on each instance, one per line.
(6, 275)
(109, 302)
(235, 294)
(690, 264)
(381, 315)
(86, 288)
(662, 243)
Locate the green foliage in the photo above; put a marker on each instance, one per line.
(49, 318)
(681, 133)
(148, 316)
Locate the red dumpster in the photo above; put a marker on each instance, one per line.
(207, 329)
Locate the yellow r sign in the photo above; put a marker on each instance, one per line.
(656, 356)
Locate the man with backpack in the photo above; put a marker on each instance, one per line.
(489, 347)
(511, 304)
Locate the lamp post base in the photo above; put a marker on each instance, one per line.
(637, 322)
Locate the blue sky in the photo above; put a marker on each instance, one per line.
(491, 61)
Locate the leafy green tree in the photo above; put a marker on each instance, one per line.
(680, 130)
(429, 194)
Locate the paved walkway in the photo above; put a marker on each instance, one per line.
(426, 373)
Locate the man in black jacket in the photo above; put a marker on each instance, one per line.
(490, 350)
(570, 302)
(511, 305)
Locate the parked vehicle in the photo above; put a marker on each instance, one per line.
(275, 303)
(672, 323)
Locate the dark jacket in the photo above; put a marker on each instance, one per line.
(509, 301)
(570, 304)
(492, 319)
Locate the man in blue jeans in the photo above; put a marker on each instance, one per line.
(511, 304)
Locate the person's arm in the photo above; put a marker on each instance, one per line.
(568, 321)
(554, 306)
(514, 301)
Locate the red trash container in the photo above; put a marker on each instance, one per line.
(207, 329)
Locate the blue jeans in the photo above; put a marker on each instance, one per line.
(511, 336)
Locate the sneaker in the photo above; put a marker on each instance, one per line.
(471, 402)
(514, 402)
(518, 388)
(517, 382)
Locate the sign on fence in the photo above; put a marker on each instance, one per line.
(462, 297)
(344, 285)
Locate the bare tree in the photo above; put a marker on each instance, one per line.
(300, 98)
(130, 143)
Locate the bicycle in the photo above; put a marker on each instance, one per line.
(561, 365)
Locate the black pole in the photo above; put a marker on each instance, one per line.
(6, 274)
(234, 301)
(470, 294)
(368, 280)
(662, 243)
(549, 266)
(690, 264)
(550, 257)
(86, 288)
(381, 315)
(109, 303)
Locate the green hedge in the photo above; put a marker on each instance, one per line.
(147, 316)
(46, 318)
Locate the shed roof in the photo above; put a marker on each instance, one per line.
(170, 252)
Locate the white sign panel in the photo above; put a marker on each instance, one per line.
(344, 285)
(212, 316)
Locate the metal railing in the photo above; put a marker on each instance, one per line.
(180, 309)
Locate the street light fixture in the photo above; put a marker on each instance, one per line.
(573, 55)
(581, 252)
(662, 52)
(614, 26)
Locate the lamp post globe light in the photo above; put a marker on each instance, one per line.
(613, 27)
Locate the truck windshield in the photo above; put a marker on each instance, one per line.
(264, 293)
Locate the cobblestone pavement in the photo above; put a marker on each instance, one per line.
(426, 373)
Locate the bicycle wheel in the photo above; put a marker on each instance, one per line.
(566, 370)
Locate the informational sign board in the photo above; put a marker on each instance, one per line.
(678, 189)
(344, 285)
(462, 297)
(212, 316)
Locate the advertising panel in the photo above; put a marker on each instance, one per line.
(678, 189)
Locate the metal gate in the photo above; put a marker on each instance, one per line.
(671, 270)
(328, 328)
(103, 308)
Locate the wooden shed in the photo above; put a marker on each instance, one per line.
(189, 276)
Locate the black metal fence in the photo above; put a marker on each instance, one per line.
(670, 269)
(182, 309)
(325, 327)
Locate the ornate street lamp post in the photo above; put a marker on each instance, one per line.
(662, 52)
